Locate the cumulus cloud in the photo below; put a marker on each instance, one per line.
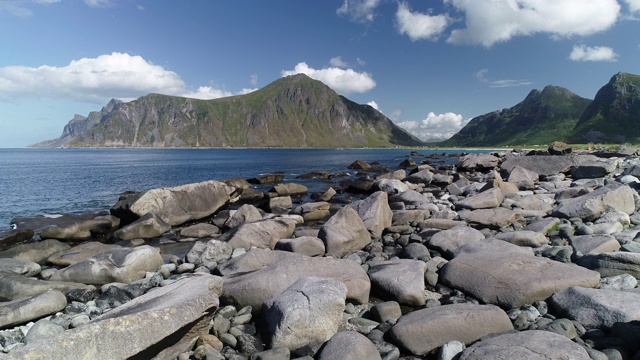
(374, 105)
(359, 10)
(338, 62)
(206, 93)
(435, 127)
(343, 81)
(419, 26)
(491, 22)
(595, 53)
(634, 5)
(481, 76)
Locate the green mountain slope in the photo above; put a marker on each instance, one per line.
(295, 111)
(542, 117)
(614, 114)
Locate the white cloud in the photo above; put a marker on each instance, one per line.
(634, 5)
(206, 93)
(435, 127)
(419, 26)
(100, 3)
(343, 81)
(361, 62)
(359, 10)
(338, 62)
(491, 22)
(19, 8)
(481, 76)
(374, 105)
(595, 53)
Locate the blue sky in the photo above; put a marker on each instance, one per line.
(429, 65)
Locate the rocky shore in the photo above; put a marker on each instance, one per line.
(514, 255)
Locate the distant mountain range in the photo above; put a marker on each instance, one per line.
(294, 111)
(556, 113)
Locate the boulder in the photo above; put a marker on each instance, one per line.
(348, 345)
(37, 252)
(424, 330)
(262, 234)
(523, 238)
(522, 178)
(159, 324)
(539, 164)
(401, 280)
(209, 254)
(374, 212)
(593, 169)
(304, 245)
(280, 204)
(344, 232)
(477, 162)
(21, 267)
(530, 345)
(442, 224)
(410, 197)
(612, 263)
(493, 218)
(488, 199)
(403, 217)
(81, 229)
(289, 189)
(14, 286)
(559, 148)
(391, 186)
(327, 195)
(259, 275)
(12, 237)
(491, 245)
(448, 241)
(398, 175)
(267, 179)
(420, 177)
(176, 205)
(200, 230)
(593, 244)
(148, 226)
(313, 211)
(119, 265)
(597, 308)
(80, 253)
(511, 279)
(21, 311)
(306, 313)
(590, 206)
(360, 165)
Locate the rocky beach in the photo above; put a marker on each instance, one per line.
(507, 255)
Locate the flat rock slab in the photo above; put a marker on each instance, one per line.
(423, 330)
(12, 237)
(613, 263)
(593, 244)
(14, 286)
(512, 279)
(488, 199)
(156, 321)
(21, 311)
(80, 253)
(22, 267)
(597, 308)
(540, 164)
(590, 206)
(493, 218)
(274, 271)
(449, 241)
(305, 245)
(477, 162)
(524, 238)
(401, 280)
(530, 345)
(120, 265)
(37, 252)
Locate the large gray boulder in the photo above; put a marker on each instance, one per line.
(209, 254)
(427, 329)
(21, 311)
(612, 263)
(524, 238)
(245, 214)
(262, 234)
(597, 308)
(348, 345)
(308, 312)
(305, 245)
(200, 230)
(14, 286)
(493, 218)
(81, 229)
(593, 169)
(524, 179)
(159, 324)
(401, 280)
(530, 345)
(313, 211)
(374, 212)
(344, 232)
(148, 226)
(593, 244)
(488, 199)
(539, 164)
(448, 241)
(289, 189)
(492, 245)
(22, 267)
(176, 205)
(12, 237)
(259, 275)
(80, 253)
(37, 252)
(511, 279)
(590, 206)
(478, 162)
(120, 265)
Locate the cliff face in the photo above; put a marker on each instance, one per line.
(614, 114)
(295, 111)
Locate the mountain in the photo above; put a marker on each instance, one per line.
(295, 111)
(542, 117)
(614, 114)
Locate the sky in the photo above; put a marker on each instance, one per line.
(429, 65)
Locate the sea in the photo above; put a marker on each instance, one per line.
(58, 181)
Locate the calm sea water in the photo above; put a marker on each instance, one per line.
(54, 181)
